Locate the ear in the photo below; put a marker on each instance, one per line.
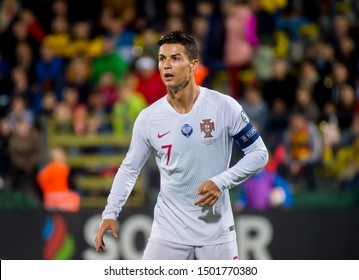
(194, 65)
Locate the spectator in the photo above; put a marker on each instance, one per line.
(9, 11)
(331, 133)
(308, 75)
(255, 107)
(81, 43)
(292, 21)
(339, 31)
(175, 16)
(148, 14)
(303, 143)
(21, 85)
(24, 58)
(63, 118)
(211, 44)
(78, 110)
(351, 134)
(9, 15)
(109, 61)
(305, 104)
(200, 29)
(80, 39)
(346, 106)
(24, 149)
(128, 105)
(281, 86)
(108, 89)
(97, 111)
(263, 61)
(54, 181)
(20, 34)
(20, 112)
(48, 105)
(77, 73)
(201, 74)
(175, 8)
(123, 38)
(349, 56)
(50, 68)
(277, 123)
(350, 173)
(150, 84)
(266, 12)
(322, 55)
(265, 190)
(147, 40)
(71, 96)
(60, 8)
(340, 79)
(241, 40)
(174, 23)
(125, 9)
(59, 38)
(34, 27)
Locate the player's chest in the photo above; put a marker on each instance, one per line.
(187, 132)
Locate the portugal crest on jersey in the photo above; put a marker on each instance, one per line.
(207, 127)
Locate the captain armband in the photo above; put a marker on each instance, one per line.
(247, 136)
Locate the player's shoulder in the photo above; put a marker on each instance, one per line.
(149, 111)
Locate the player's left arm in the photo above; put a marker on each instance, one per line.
(256, 157)
(255, 152)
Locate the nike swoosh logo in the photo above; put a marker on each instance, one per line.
(164, 134)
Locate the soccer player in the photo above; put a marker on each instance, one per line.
(191, 130)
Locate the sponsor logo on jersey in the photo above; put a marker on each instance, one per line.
(186, 130)
(207, 127)
(159, 135)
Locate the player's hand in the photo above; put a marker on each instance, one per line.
(107, 224)
(209, 193)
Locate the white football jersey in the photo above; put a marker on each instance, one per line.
(189, 150)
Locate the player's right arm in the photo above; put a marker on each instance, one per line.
(125, 179)
(107, 224)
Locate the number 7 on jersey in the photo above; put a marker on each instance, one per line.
(168, 147)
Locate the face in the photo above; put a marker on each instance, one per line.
(297, 122)
(175, 67)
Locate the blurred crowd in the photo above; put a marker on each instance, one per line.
(293, 65)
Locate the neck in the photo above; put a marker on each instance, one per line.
(183, 100)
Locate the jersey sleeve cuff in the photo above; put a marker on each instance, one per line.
(109, 216)
(219, 183)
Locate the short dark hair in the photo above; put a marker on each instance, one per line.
(180, 37)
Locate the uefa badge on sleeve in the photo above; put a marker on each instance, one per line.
(244, 117)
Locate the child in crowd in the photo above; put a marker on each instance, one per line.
(267, 188)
